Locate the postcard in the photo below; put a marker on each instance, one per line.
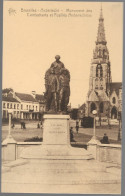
(62, 97)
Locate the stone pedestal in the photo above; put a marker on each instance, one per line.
(92, 146)
(56, 141)
(9, 150)
(56, 130)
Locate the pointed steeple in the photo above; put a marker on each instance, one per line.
(101, 53)
(101, 31)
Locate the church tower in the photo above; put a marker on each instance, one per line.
(100, 74)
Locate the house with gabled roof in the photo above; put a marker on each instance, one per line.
(28, 107)
(10, 103)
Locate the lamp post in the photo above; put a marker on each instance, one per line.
(9, 139)
(10, 111)
(94, 127)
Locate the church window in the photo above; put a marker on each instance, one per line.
(101, 107)
(114, 100)
(93, 107)
(99, 52)
(99, 71)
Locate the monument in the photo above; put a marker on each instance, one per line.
(56, 134)
(57, 79)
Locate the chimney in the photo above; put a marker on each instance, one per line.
(34, 94)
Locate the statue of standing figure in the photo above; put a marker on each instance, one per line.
(57, 79)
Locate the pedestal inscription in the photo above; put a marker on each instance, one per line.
(56, 130)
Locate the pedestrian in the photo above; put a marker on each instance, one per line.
(12, 126)
(24, 125)
(105, 139)
(77, 127)
(21, 125)
(38, 125)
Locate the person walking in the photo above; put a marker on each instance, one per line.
(77, 127)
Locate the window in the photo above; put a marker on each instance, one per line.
(114, 100)
(93, 107)
(14, 106)
(11, 105)
(27, 107)
(7, 105)
(21, 106)
(4, 105)
(99, 71)
(101, 107)
(36, 108)
(17, 106)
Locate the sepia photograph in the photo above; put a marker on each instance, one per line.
(62, 66)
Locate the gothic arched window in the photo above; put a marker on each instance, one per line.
(99, 71)
(93, 107)
(101, 107)
(114, 100)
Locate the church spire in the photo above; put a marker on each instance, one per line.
(101, 31)
(100, 53)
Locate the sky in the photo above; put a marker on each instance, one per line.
(31, 42)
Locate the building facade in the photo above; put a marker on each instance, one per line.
(103, 95)
(24, 106)
(10, 103)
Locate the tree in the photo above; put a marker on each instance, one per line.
(7, 90)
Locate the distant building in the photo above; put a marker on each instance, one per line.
(42, 103)
(29, 107)
(10, 103)
(24, 106)
(81, 111)
(103, 95)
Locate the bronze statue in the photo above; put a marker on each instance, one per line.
(57, 80)
(64, 89)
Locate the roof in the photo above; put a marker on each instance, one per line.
(40, 98)
(82, 107)
(98, 96)
(115, 86)
(25, 97)
(9, 99)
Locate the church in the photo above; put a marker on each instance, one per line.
(104, 96)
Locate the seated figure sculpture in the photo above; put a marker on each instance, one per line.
(57, 93)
